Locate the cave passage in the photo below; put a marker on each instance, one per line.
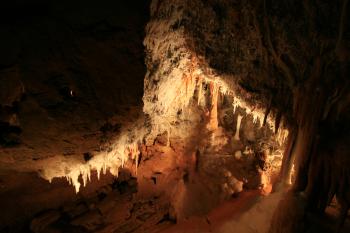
(164, 116)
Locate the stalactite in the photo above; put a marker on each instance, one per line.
(213, 117)
(235, 103)
(267, 112)
(256, 112)
(125, 148)
(174, 94)
(98, 174)
(278, 120)
(282, 135)
(239, 119)
(200, 87)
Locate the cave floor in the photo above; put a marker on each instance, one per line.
(213, 221)
(111, 210)
(116, 208)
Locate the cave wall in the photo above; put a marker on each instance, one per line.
(289, 58)
(82, 86)
(68, 67)
(71, 76)
(72, 71)
(221, 121)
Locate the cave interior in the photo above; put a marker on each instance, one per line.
(174, 116)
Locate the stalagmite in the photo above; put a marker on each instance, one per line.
(235, 103)
(239, 119)
(98, 173)
(238, 154)
(257, 112)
